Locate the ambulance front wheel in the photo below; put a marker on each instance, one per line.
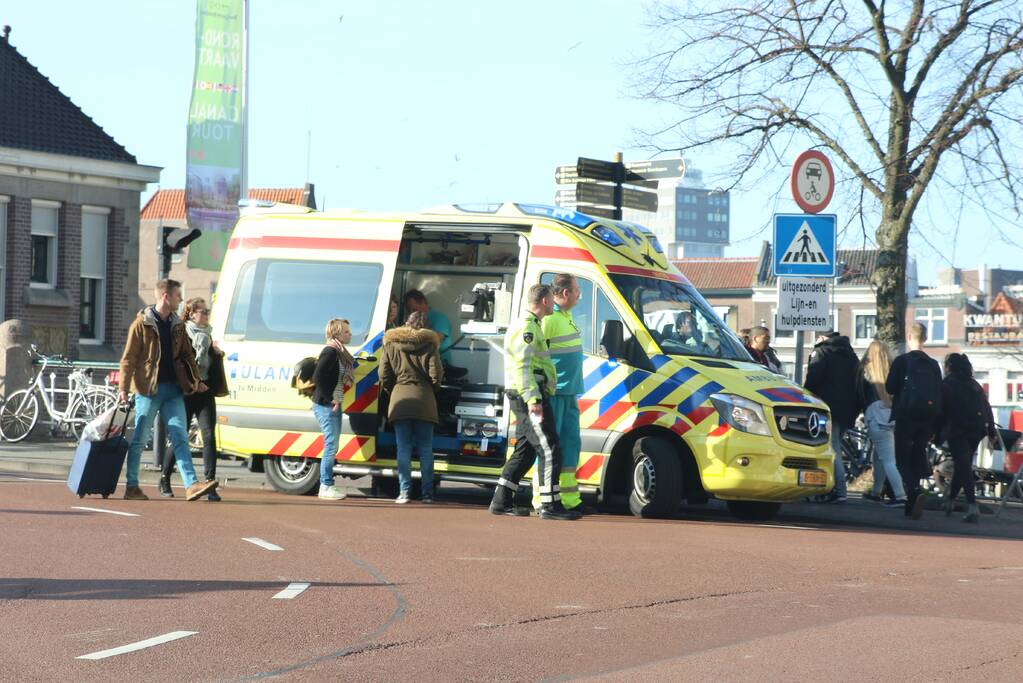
(656, 478)
(292, 475)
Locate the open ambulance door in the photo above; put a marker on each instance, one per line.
(287, 276)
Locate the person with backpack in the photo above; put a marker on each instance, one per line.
(410, 375)
(333, 376)
(914, 383)
(965, 419)
(831, 375)
(877, 413)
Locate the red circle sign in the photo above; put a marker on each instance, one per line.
(812, 181)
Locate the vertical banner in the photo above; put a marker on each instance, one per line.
(216, 119)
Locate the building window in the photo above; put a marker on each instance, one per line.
(93, 273)
(934, 320)
(3, 254)
(864, 326)
(44, 243)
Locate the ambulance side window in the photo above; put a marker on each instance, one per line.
(582, 313)
(606, 311)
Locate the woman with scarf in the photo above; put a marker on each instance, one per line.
(201, 405)
(334, 374)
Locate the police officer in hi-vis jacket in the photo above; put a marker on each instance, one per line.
(529, 382)
(566, 347)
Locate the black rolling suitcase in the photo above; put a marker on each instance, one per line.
(97, 464)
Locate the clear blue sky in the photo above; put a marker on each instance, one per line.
(409, 104)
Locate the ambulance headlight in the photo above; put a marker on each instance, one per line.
(470, 429)
(488, 430)
(741, 413)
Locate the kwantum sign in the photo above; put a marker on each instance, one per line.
(994, 328)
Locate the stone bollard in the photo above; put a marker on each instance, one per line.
(15, 361)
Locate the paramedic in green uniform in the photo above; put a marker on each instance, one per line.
(529, 383)
(566, 347)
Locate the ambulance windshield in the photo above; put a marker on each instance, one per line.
(679, 319)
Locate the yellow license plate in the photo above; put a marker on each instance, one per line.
(813, 478)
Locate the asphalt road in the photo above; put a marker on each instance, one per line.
(448, 592)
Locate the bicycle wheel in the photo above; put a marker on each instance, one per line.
(92, 403)
(18, 415)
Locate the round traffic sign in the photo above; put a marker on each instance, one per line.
(813, 181)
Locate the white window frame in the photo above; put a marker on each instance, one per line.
(929, 319)
(856, 312)
(52, 246)
(4, 200)
(101, 289)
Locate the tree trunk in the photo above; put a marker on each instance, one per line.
(890, 282)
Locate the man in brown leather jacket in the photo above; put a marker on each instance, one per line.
(158, 365)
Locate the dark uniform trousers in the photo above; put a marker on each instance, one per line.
(534, 443)
(911, 437)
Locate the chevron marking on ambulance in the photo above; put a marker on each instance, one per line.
(590, 468)
(284, 443)
(353, 450)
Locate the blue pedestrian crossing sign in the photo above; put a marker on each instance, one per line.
(804, 244)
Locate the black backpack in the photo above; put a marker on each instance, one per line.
(970, 412)
(302, 376)
(920, 397)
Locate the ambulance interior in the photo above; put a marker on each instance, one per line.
(472, 277)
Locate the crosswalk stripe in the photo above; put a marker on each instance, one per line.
(293, 590)
(141, 645)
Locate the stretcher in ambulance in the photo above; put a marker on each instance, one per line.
(674, 410)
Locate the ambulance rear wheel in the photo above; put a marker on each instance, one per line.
(656, 479)
(292, 475)
(753, 510)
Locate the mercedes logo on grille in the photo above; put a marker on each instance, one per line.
(813, 425)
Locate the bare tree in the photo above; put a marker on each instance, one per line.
(890, 91)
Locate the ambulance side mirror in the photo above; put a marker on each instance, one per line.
(612, 338)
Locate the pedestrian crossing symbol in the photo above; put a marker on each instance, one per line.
(804, 245)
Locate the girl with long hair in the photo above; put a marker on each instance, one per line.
(877, 402)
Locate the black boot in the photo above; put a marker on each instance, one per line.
(213, 496)
(558, 511)
(502, 503)
(165, 487)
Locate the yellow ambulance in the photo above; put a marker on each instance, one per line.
(674, 408)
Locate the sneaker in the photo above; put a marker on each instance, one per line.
(426, 500)
(972, 515)
(833, 499)
(332, 492)
(917, 511)
(165, 488)
(895, 503)
(872, 498)
(134, 493)
(199, 489)
(402, 498)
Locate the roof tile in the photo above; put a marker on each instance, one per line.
(719, 273)
(170, 204)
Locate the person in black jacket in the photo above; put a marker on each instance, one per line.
(334, 374)
(831, 375)
(965, 419)
(909, 383)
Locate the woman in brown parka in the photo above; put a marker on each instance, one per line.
(411, 373)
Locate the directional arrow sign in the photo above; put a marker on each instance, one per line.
(565, 196)
(595, 193)
(565, 175)
(639, 199)
(597, 169)
(652, 184)
(654, 169)
(601, 211)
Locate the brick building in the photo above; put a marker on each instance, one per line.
(166, 208)
(69, 205)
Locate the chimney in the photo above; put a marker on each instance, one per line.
(7, 32)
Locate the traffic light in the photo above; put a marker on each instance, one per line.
(176, 239)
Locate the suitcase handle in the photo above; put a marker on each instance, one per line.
(124, 425)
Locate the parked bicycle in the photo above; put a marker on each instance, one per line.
(857, 453)
(19, 414)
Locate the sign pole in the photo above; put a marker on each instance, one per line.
(619, 177)
(798, 375)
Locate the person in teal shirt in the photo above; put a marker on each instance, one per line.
(566, 352)
(439, 323)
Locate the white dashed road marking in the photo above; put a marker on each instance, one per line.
(263, 544)
(293, 590)
(141, 645)
(109, 512)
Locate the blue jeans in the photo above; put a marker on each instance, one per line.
(330, 425)
(837, 431)
(882, 434)
(418, 433)
(169, 402)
